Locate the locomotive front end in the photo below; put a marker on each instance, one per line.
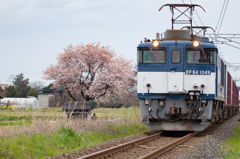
(176, 82)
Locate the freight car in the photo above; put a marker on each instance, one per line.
(183, 84)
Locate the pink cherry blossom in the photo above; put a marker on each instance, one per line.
(92, 71)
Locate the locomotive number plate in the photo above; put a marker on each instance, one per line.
(198, 72)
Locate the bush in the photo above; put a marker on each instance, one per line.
(32, 92)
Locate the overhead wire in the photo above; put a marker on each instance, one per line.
(228, 40)
(220, 27)
(223, 16)
(220, 15)
(227, 44)
(207, 31)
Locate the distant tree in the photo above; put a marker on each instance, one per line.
(22, 85)
(11, 79)
(113, 102)
(90, 70)
(37, 85)
(131, 94)
(32, 92)
(48, 87)
(11, 91)
(3, 94)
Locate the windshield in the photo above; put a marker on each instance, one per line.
(201, 56)
(154, 56)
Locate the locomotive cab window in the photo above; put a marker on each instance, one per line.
(201, 56)
(139, 56)
(154, 56)
(176, 56)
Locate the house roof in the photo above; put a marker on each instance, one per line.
(50, 91)
(3, 86)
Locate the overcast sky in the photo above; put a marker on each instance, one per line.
(33, 32)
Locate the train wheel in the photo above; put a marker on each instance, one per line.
(224, 112)
(214, 116)
(220, 114)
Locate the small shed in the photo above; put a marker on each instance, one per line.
(78, 109)
(50, 97)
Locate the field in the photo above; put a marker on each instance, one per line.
(46, 132)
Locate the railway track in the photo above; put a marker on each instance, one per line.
(157, 152)
(121, 147)
(169, 146)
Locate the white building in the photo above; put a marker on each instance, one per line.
(50, 98)
(20, 102)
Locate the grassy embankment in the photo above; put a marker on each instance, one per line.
(231, 146)
(49, 134)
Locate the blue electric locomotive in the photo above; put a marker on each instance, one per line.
(182, 81)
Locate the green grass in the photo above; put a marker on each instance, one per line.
(117, 112)
(19, 123)
(62, 141)
(14, 118)
(231, 146)
(19, 120)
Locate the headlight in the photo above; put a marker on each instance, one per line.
(196, 43)
(195, 86)
(155, 43)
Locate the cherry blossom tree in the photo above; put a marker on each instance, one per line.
(91, 70)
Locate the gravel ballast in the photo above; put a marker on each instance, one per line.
(208, 143)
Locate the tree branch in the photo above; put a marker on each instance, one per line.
(70, 95)
(107, 87)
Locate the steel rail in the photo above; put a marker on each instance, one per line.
(173, 144)
(118, 148)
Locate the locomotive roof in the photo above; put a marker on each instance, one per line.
(178, 42)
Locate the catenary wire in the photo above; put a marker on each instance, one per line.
(220, 15)
(223, 16)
